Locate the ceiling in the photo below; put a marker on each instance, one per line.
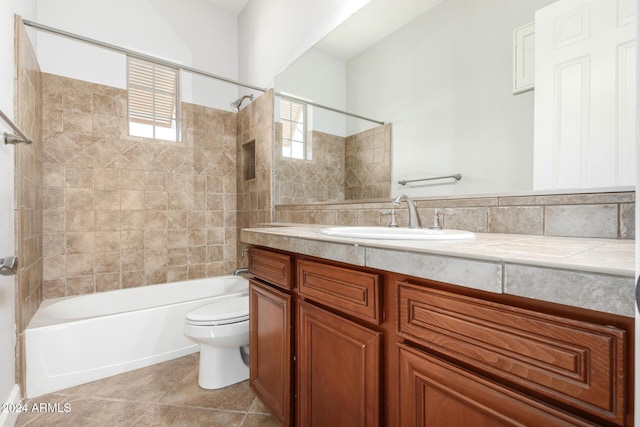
(375, 21)
(233, 6)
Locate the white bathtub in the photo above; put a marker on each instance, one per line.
(79, 339)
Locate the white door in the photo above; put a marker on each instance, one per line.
(584, 133)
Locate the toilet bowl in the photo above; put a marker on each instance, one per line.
(222, 330)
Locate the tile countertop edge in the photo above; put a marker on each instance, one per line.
(602, 287)
(462, 271)
(594, 291)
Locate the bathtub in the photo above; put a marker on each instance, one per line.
(79, 339)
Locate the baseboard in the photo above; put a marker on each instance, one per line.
(9, 418)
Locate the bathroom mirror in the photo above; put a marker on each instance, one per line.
(441, 73)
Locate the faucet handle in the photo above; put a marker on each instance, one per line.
(436, 217)
(445, 211)
(393, 222)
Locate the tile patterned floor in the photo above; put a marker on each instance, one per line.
(166, 394)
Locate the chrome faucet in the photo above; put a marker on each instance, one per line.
(414, 218)
(240, 271)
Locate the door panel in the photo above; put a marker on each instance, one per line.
(270, 313)
(584, 132)
(338, 371)
(435, 393)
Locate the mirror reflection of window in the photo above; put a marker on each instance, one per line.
(293, 119)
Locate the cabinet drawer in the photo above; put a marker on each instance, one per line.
(272, 267)
(353, 292)
(436, 393)
(577, 363)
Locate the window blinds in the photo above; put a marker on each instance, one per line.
(292, 118)
(152, 93)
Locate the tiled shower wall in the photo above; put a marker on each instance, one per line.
(319, 179)
(28, 183)
(602, 215)
(123, 211)
(254, 128)
(368, 164)
(353, 168)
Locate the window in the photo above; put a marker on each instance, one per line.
(153, 100)
(292, 117)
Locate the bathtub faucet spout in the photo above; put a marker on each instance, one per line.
(240, 271)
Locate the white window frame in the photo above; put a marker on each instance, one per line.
(293, 116)
(153, 107)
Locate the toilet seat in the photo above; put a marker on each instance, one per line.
(223, 312)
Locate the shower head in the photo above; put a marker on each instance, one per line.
(238, 102)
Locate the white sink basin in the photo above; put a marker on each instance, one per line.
(397, 233)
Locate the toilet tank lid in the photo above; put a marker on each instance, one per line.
(227, 308)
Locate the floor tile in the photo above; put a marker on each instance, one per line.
(164, 415)
(237, 397)
(148, 384)
(165, 394)
(91, 412)
(260, 420)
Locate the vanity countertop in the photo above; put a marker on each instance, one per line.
(591, 273)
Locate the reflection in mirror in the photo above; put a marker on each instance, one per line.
(444, 80)
(585, 94)
(322, 155)
(293, 130)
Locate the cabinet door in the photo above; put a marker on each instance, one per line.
(338, 372)
(576, 363)
(435, 393)
(270, 313)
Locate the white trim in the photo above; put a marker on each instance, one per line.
(523, 61)
(8, 419)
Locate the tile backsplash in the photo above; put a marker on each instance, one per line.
(598, 214)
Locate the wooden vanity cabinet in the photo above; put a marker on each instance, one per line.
(373, 348)
(271, 331)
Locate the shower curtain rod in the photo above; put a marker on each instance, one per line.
(304, 101)
(171, 64)
(137, 54)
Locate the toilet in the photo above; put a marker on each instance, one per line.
(222, 330)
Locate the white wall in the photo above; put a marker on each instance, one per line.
(272, 34)
(194, 33)
(449, 97)
(8, 388)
